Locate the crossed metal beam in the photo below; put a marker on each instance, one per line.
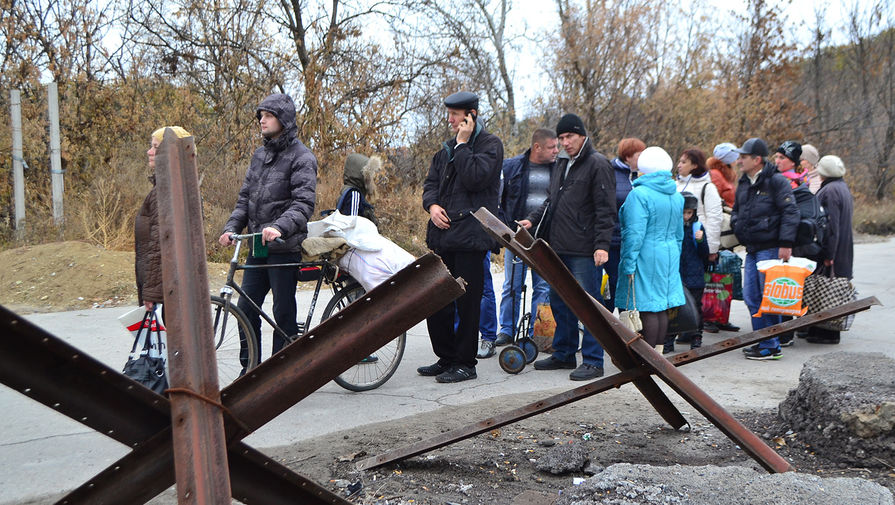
(50, 371)
(636, 359)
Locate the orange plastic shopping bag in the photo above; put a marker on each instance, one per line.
(783, 283)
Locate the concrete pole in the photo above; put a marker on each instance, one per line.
(55, 155)
(18, 161)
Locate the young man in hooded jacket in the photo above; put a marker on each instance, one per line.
(464, 176)
(276, 199)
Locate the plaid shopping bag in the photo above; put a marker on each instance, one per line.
(824, 292)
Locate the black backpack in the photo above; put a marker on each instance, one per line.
(812, 225)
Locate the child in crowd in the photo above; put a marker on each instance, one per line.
(694, 259)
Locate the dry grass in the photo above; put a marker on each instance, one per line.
(874, 217)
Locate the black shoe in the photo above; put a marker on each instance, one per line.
(668, 348)
(758, 353)
(710, 327)
(786, 340)
(727, 327)
(551, 363)
(696, 342)
(456, 374)
(486, 349)
(503, 339)
(586, 372)
(432, 370)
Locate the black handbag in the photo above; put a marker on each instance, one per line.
(143, 368)
(685, 318)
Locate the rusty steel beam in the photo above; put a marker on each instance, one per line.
(504, 418)
(623, 345)
(299, 369)
(606, 383)
(608, 330)
(200, 449)
(709, 408)
(753, 337)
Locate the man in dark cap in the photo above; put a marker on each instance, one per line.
(464, 175)
(577, 219)
(765, 219)
(276, 199)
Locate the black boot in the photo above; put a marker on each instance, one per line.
(696, 341)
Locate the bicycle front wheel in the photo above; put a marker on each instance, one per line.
(374, 370)
(234, 341)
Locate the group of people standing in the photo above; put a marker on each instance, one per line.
(630, 216)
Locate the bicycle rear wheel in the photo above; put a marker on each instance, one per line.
(376, 369)
(233, 353)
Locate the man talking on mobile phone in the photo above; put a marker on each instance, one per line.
(464, 175)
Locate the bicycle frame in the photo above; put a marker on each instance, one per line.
(328, 274)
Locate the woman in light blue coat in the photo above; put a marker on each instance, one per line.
(652, 229)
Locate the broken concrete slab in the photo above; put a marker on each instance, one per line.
(564, 458)
(627, 484)
(844, 407)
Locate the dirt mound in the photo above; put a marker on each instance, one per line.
(69, 276)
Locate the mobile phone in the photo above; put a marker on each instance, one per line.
(474, 116)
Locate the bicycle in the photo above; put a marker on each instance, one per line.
(236, 344)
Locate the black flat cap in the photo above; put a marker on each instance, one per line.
(462, 100)
(755, 147)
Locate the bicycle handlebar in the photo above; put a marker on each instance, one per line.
(237, 236)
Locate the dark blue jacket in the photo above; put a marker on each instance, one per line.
(623, 186)
(694, 257)
(515, 188)
(765, 214)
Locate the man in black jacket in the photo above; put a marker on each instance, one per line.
(464, 176)
(765, 219)
(276, 199)
(577, 220)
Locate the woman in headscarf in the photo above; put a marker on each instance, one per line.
(838, 252)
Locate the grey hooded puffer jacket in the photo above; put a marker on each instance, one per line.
(280, 185)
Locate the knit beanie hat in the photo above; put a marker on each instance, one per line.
(726, 152)
(810, 154)
(160, 133)
(830, 167)
(570, 123)
(654, 159)
(792, 150)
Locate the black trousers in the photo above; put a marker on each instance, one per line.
(282, 281)
(454, 330)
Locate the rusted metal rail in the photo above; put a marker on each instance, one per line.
(521, 243)
(45, 368)
(605, 384)
(198, 431)
(200, 449)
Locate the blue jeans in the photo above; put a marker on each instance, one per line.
(488, 316)
(510, 304)
(753, 289)
(565, 339)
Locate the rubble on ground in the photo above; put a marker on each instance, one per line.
(844, 407)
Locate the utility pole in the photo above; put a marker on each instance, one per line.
(18, 161)
(55, 155)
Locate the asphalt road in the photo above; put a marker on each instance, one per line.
(44, 453)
